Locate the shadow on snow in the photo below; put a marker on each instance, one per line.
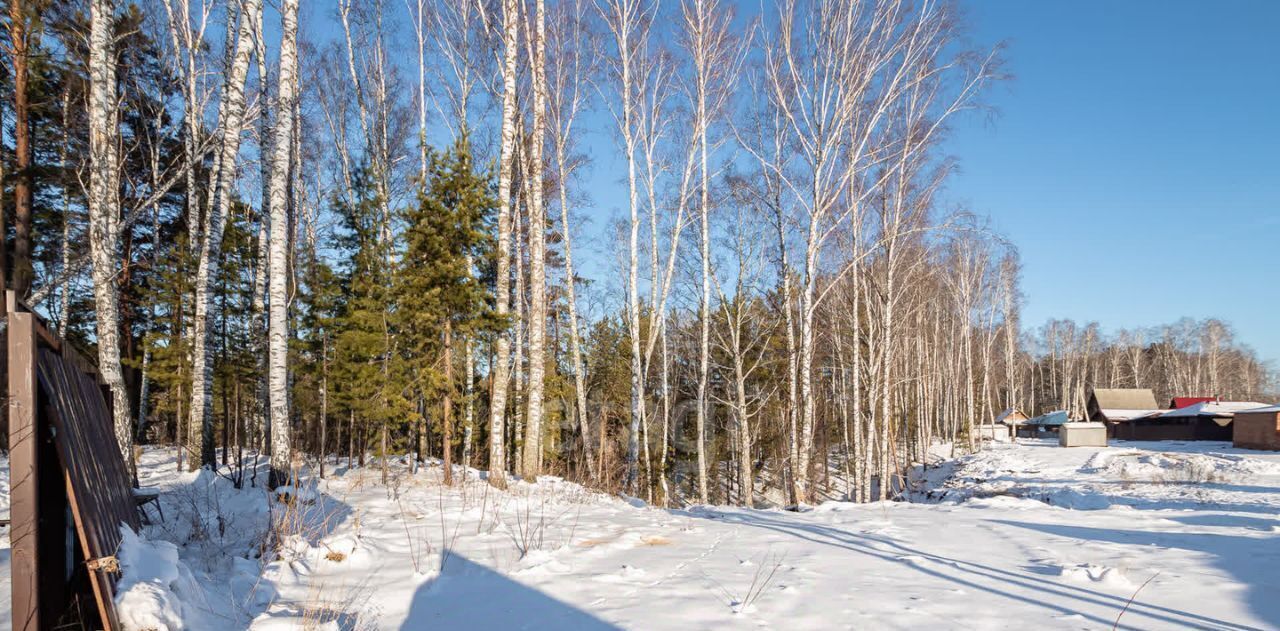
(467, 595)
(1029, 587)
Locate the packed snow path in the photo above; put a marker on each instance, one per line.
(1016, 537)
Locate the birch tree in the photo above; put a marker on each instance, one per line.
(278, 350)
(532, 460)
(104, 212)
(707, 42)
(231, 113)
(571, 63)
(627, 22)
(498, 371)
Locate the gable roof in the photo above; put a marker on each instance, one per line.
(1125, 399)
(1010, 415)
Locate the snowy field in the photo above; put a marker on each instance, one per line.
(1026, 536)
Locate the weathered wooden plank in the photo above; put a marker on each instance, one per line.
(97, 479)
(24, 481)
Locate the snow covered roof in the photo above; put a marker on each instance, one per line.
(1270, 409)
(1057, 417)
(1129, 415)
(1214, 408)
(1009, 416)
(1084, 425)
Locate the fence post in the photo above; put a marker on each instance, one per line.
(24, 489)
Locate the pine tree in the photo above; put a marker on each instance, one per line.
(367, 363)
(318, 305)
(439, 298)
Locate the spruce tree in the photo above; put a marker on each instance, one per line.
(439, 297)
(367, 362)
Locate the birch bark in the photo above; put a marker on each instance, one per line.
(231, 121)
(278, 349)
(104, 212)
(537, 251)
(502, 293)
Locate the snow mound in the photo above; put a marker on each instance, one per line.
(154, 587)
(1178, 467)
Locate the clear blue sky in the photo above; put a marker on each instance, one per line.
(1135, 159)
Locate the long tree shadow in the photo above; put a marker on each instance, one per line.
(467, 595)
(1026, 587)
(1253, 561)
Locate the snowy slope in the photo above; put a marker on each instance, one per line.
(1018, 537)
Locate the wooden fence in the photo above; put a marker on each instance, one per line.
(63, 462)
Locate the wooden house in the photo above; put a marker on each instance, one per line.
(1120, 408)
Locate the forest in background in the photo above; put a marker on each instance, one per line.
(360, 233)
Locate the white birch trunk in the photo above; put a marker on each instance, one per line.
(699, 25)
(231, 121)
(502, 360)
(537, 252)
(575, 337)
(278, 344)
(104, 212)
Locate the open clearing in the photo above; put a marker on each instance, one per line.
(1017, 536)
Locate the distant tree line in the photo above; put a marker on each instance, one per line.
(1192, 358)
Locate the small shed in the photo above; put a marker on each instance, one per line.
(1011, 416)
(992, 432)
(1111, 405)
(1085, 434)
(1257, 429)
(1121, 408)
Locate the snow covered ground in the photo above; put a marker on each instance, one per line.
(1015, 537)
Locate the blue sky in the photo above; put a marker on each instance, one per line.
(1134, 159)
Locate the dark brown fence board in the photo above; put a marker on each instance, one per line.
(63, 455)
(98, 484)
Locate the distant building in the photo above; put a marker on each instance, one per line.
(1201, 418)
(1043, 426)
(1206, 420)
(991, 431)
(1120, 408)
(1082, 435)
(1257, 429)
(1011, 418)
